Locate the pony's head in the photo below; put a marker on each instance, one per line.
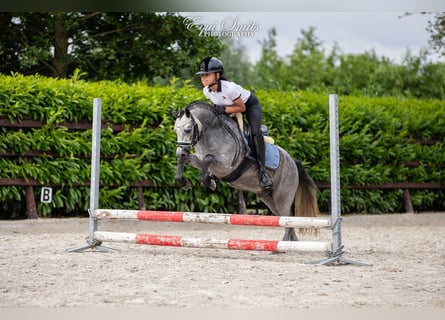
(190, 121)
(186, 129)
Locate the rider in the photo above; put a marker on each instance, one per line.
(229, 97)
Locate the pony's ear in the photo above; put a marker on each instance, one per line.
(187, 113)
(176, 114)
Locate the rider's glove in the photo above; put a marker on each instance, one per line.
(220, 109)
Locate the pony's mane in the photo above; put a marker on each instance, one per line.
(210, 109)
(200, 104)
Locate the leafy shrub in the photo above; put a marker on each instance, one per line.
(379, 137)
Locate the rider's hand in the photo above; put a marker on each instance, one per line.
(220, 109)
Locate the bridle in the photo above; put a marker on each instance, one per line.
(196, 135)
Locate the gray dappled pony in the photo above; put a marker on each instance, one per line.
(220, 149)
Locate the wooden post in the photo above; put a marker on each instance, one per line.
(31, 208)
(141, 201)
(407, 201)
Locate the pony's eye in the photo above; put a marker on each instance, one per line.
(187, 130)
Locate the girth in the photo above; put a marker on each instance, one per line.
(244, 165)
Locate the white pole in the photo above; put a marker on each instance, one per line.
(335, 173)
(334, 138)
(95, 166)
(94, 182)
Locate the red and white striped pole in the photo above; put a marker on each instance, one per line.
(215, 218)
(231, 244)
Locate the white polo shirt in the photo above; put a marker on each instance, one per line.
(230, 91)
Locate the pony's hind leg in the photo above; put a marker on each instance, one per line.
(280, 209)
(290, 235)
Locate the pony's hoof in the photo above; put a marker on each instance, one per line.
(187, 186)
(184, 183)
(212, 185)
(209, 183)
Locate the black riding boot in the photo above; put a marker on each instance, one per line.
(260, 154)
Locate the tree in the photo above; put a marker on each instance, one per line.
(355, 74)
(268, 69)
(436, 29)
(24, 44)
(309, 68)
(129, 46)
(237, 66)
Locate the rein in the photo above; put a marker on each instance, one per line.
(237, 152)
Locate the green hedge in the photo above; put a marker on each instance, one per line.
(379, 137)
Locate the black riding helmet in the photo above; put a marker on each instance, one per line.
(209, 65)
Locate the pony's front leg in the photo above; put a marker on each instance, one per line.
(182, 181)
(203, 165)
(206, 178)
(183, 157)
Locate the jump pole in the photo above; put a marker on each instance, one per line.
(213, 218)
(230, 244)
(94, 182)
(337, 248)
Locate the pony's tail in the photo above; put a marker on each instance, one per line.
(306, 199)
